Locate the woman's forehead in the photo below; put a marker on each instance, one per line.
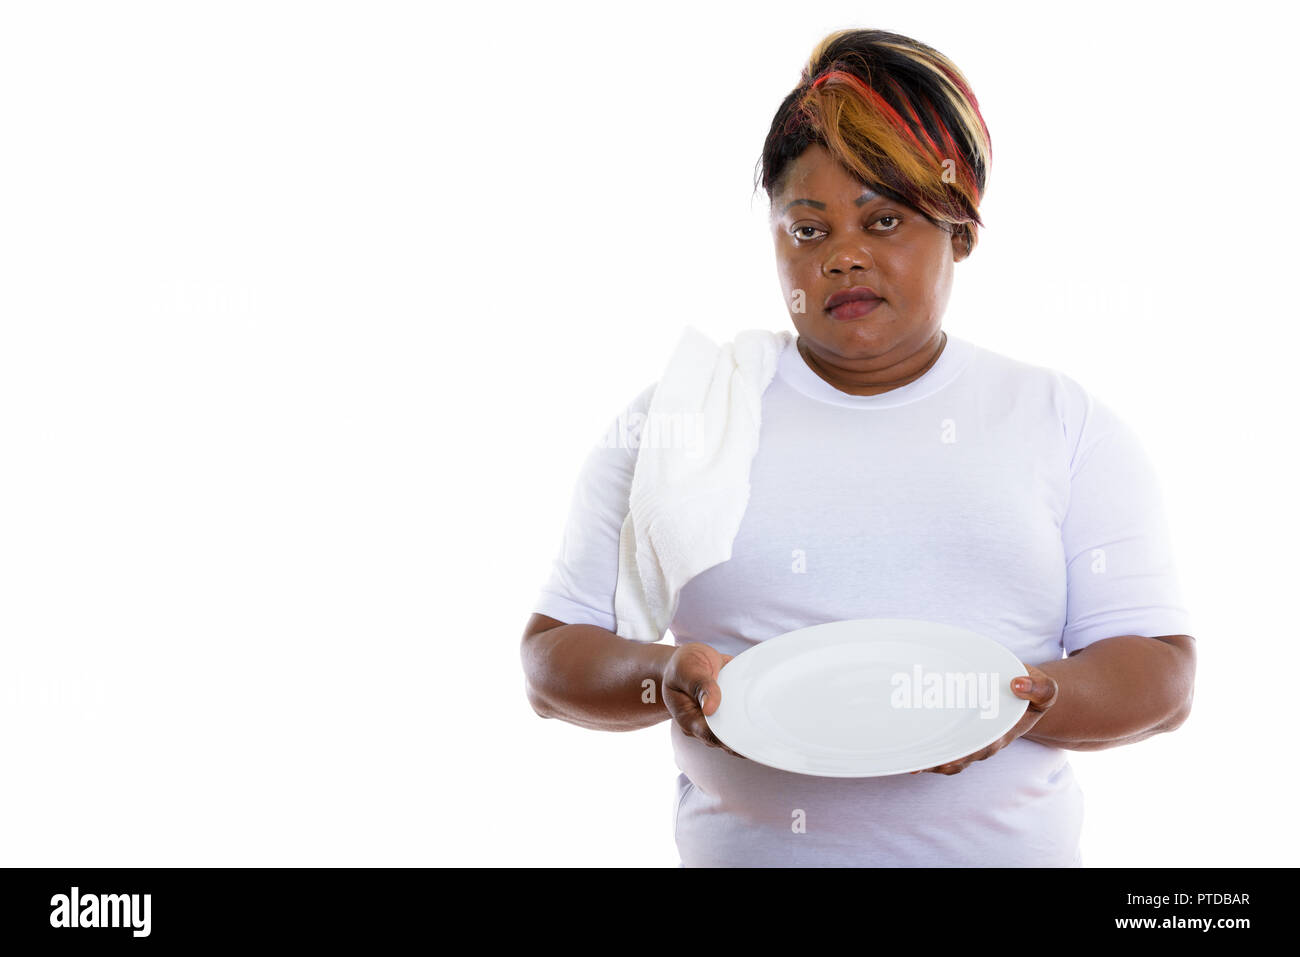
(822, 173)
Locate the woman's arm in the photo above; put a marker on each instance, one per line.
(1117, 691)
(591, 677)
(1114, 691)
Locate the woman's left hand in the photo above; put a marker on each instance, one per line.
(1040, 690)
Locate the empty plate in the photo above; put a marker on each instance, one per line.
(867, 697)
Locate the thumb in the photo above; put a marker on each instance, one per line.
(1038, 688)
(710, 696)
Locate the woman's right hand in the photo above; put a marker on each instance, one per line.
(691, 690)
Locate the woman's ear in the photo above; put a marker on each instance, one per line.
(964, 242)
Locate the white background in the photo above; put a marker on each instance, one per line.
(311, 312)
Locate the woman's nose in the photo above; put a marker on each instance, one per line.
(849, 256)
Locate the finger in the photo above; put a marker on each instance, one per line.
(1050, 689)
(952, 767)
(710, 696)
(705, 734)
(689, 717)
(988, 752)
(1040, 690)
(699, 728)
(933, 770)
(723, 747)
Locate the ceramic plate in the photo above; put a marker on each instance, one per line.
(866, 698)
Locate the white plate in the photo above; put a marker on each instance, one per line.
(869, 697)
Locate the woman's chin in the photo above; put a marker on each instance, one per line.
(863, 338)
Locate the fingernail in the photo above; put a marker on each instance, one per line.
(1023, 684)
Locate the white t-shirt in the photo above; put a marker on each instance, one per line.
(989, 494)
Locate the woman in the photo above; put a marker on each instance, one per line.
(911, 474)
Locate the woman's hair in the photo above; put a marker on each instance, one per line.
(897, 114)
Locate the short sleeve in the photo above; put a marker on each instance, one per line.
(1120, 571)
(584, 574)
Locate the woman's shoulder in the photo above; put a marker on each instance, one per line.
(1008, 367)
(1005, 380)
(1087, 422)
(1079, 414)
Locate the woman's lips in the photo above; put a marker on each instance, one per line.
(855, 309)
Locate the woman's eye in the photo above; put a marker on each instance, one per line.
(809, 232)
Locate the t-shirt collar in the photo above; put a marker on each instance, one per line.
(795, 372)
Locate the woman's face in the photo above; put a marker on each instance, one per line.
(832, 233)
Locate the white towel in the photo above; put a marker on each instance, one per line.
(690, 486)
